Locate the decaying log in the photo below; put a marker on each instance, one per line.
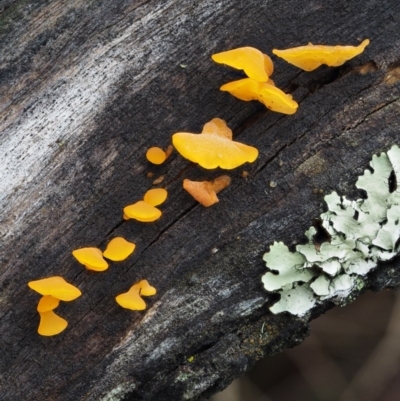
(85, 88)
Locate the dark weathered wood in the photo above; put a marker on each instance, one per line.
(85, 88)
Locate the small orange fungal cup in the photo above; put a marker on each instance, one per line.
(311, 56)
(53, 290)
(91, 258)
(142, 211)
(205, 192)
(214, 147)
(118, 249)
(253, 62)
(156, 155)
(272, 97)
(132, 299)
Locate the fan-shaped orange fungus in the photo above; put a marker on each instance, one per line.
(212, 149)
(155, 196)
(118, 249)
(142, 211)
(132, 299)
(156, 155)
(91, 258)
(221, 183)
(146, 289)
(57, 287)
(217, 125)
(272, 97)
(312, 56)
(255, 64)
(51, 324)
(47, 303)
(205, 192)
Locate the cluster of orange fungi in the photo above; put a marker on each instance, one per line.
(212, 148)
(53, 290)
(145, 210)
(259, 68)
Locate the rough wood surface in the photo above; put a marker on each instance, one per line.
(85, 88)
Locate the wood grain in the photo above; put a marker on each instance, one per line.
(85, 88)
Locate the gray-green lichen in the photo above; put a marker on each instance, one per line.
(361, 233)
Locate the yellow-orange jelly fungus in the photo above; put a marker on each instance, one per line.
(57, 287)
(142, 211)
(255, 64)
(272, 97)
(53, 290)
(156, 155)
(155, 196)
(118, 249)
(91, 258)
(132, 298)
(47, 303)
(312, 56)
(214, 147)
(205, 192)
(145, 210)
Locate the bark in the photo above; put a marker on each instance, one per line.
(85, 88)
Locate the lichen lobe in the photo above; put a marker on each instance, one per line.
(361, 233)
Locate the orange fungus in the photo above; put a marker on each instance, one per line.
(156, 196)
(156, 155)
(51, 324)
(118, 249)
(47, 303)
(205, 192)
(142, 211)
(57, 287)
(221, 183)
(132, 298)
(272, 97)
(91, 258)
(214, 147)
(255, 64)
(312, 56)
(146, 289)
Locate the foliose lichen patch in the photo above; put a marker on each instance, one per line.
(360, 234)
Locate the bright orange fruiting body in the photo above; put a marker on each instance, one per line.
(255, 64)
(118, 249)
(272, 97)
(51, 324)
(142, 211)
(312, 56)
(156, 155)
(205, 192)
(47, 303)
(91, 258)
(146, 289)
(53, 290)
(57, 287)
(156, 196)
(132, 298)
(202, 191)
(212, 149)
